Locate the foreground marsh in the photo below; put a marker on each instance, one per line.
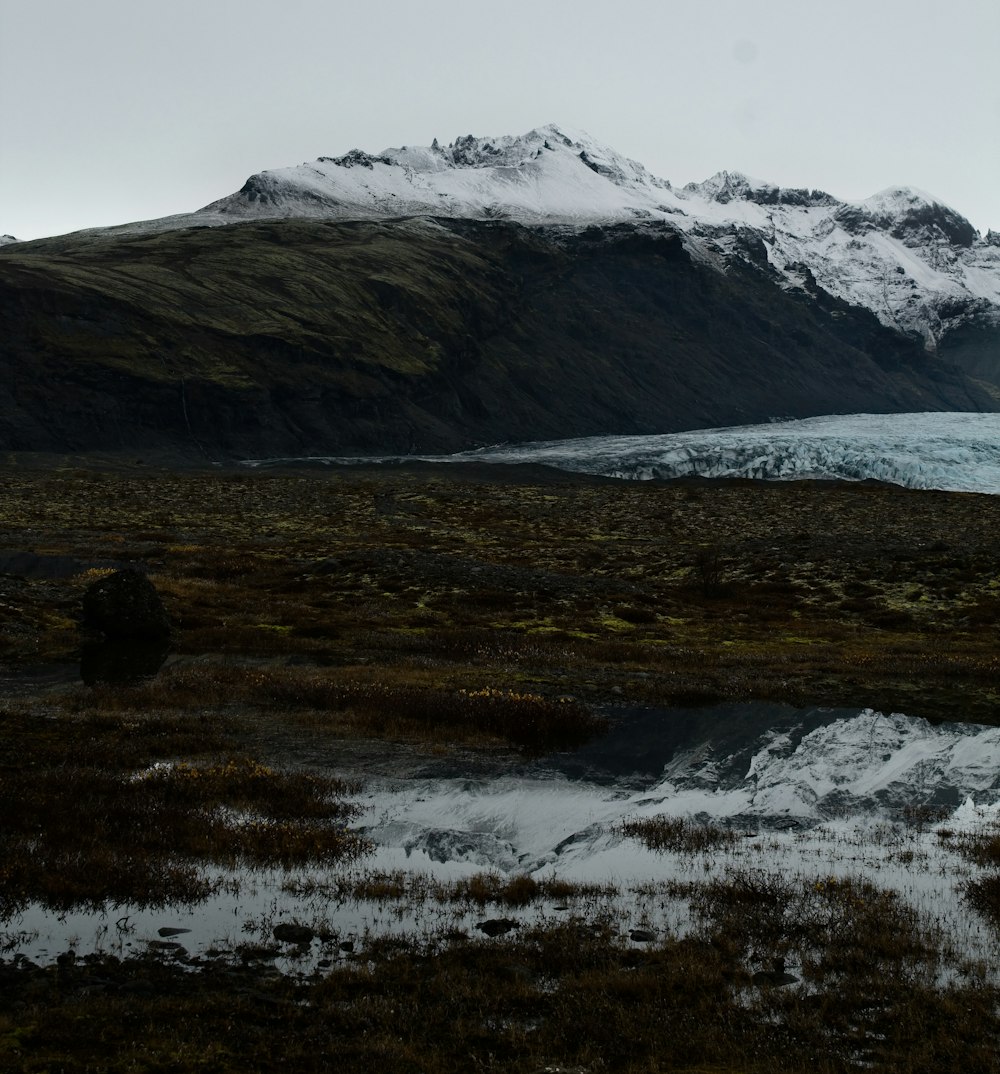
(352, 649)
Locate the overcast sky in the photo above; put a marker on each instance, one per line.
(120, 110)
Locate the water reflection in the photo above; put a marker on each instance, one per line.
(645, 743)
(756, 767)
(813, 793)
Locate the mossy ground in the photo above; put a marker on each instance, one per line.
(464, 610)
(814, 593)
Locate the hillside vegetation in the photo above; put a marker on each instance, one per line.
(299, 338)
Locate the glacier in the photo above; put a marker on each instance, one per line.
(958, 452)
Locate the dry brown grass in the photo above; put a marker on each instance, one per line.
(482, 889)
(829, 593)
(354, 700)
(445, 610)
(680, 835)
(93, 811)
(576, 996)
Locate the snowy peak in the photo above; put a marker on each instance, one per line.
(918, 265)
(548, 175)
(554, 174)
(468, 151)
(725, 187)
(525, 153)
(909, 215)
(6, 240)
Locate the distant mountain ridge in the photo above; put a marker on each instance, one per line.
(915, 262)
(518, 288)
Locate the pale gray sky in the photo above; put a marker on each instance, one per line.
(119, 110)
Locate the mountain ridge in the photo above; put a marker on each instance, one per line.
(433, 298)
(915, 262)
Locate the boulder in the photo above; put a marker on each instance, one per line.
(497, 926)
(122, 662)
(290, 933)
(124, 605)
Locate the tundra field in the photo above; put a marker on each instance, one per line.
(465, 614)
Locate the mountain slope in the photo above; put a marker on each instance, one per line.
(317, 337)
(517, 288)
(917, 264)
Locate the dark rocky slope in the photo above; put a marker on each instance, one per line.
(300, 338)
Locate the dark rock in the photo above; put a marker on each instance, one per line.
(166, 946)
(641, 936)
(347, 946)
(122, 662)
(124, 606)
(166, 933)
(256, 954)
(291, 933)
(497, 926)
(776, 976)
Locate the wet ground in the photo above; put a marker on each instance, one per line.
(805, 792)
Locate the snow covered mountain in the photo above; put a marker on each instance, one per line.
(492, 291)
(6, 240)
(916, 263)
(543, 177)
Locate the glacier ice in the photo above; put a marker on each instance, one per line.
(954, 451)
